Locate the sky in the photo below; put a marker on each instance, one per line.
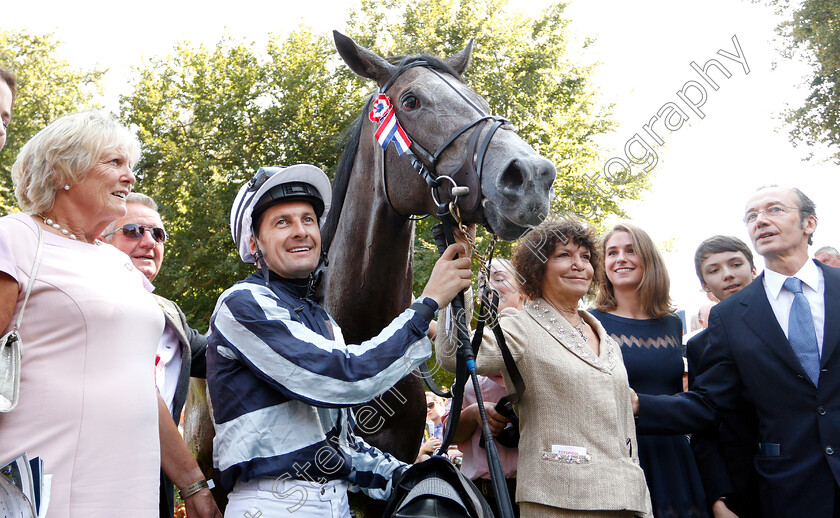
(704, 171)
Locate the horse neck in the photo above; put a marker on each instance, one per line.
(370, 271)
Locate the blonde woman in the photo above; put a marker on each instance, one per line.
(88, 405)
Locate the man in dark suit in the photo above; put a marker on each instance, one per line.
(180, 353)
(776, 342)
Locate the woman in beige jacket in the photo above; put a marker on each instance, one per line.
(577, 451)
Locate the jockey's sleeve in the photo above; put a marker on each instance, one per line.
(302, 364)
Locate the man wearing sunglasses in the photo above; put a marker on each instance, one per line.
(280, 376)
(180, 352)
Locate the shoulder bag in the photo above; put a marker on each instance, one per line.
(11, 346)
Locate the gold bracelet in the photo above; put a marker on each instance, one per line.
(195, 488)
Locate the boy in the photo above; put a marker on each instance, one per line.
(724, 266)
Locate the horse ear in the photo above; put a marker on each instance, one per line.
(461, 60)
(362, 61)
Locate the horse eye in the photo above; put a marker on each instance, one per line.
(410, 102)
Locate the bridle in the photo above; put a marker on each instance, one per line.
(460, 189)
(455, 191)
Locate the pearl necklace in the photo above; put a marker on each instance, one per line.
(56, 226)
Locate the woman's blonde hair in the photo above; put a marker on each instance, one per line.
(654, 288)
(62, 154)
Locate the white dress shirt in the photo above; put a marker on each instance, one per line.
(813, 287)
(168, 366)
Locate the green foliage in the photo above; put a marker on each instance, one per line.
(814, 32)
(208, 119)
(47, 89)
(522, 67)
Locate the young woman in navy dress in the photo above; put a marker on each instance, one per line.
(635, 308)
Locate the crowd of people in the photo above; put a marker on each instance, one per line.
(604, 429)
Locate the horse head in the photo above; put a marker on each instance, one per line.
(462, 153)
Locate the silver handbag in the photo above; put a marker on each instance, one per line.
(11, 346)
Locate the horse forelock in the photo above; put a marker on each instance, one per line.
(403, 63)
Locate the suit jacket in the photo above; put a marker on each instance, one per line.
(572, 399)
(192, 348)
(799, 423)
(725, 456)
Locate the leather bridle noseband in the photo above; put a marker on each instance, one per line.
(464, 182)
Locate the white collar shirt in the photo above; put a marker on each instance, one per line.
(168, 366)
(813, 287)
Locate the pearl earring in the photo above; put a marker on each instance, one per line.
(66, 187)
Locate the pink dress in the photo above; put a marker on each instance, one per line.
(474, 462)
(88, 404)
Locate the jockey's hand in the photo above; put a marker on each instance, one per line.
(450, 276)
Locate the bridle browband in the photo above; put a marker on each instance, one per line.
(464, 182)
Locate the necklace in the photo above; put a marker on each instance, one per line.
(579, 329)
(56, 226)
(555, 327)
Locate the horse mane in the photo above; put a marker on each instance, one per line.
(352, 138)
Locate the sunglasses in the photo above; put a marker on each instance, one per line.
(135, 231)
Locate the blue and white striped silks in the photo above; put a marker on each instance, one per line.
(280, 378)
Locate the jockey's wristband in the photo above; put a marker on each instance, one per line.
(426, 307)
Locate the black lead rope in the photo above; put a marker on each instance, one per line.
(465, 367)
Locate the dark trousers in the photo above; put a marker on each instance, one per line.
(486, 487)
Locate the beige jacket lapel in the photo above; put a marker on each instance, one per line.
(562, 331)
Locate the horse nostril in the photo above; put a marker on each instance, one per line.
(512, 177)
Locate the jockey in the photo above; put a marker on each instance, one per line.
(280, 377)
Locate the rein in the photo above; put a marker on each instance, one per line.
(465, 369)
(465, 194)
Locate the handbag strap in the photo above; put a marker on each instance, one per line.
(496, 327)
(32, 276)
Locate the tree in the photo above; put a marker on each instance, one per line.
(522, 67)
(208, 119)
(814, 32)
(47, 89)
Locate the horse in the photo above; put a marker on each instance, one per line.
(369, 233)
